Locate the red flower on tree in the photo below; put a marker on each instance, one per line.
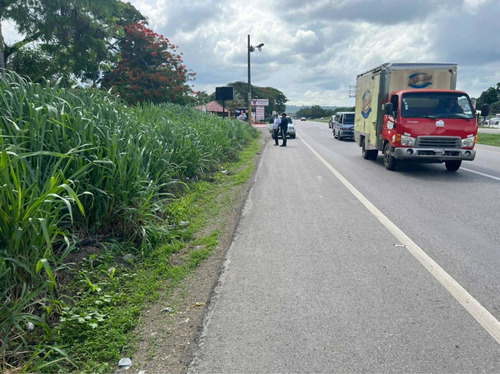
(150, 69)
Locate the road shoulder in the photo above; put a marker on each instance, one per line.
(169, 329)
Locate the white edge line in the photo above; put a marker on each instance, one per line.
(483, 174)
(485, 318)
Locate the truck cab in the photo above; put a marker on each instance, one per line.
(429, 126)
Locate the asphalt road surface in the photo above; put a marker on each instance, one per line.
(340, 265)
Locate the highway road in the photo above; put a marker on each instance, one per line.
(339, 265)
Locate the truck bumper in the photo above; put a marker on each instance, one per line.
(434, 154)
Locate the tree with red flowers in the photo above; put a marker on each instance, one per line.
(150, 69)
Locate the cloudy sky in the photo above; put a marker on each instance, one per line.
(314, 49)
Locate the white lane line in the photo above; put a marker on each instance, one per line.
(485, 318)
(484, 175)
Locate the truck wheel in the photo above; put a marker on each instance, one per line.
(333, 131)
(372, 154)
(338, 136)
(364, 153)
(368, 154)
(453, 165)
(389, 160)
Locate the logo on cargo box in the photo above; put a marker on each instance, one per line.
(367, 101)
(419, 80)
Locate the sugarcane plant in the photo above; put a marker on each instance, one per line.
(77, 164)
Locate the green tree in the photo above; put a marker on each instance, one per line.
(488, 97)
(75, 34)
(150, 69)
(495, 108)
(329, 112)
(201, 98)
(314, 111)
(240, 94)
(317, 111)
(344, 109)
(304, 112)
(35, 64)
(277, 99)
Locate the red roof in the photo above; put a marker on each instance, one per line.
(214, 106)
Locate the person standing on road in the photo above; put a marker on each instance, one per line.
(276, 127)
(284, 128)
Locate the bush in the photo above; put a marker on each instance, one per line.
(78, 165)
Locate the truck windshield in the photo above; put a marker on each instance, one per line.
(436, 105)
(348, 119)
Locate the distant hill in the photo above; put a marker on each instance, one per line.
(295, 108)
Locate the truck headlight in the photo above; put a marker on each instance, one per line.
(407, 141)
(468, 143)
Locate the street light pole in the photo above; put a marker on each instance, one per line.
(249, 85)
(250, 49)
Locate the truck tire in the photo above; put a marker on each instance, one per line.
(364, 153)
(453, 165)
(368, 154)
(389, 160)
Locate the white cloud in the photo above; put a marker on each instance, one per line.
(473, 6)
(306, 41)
(314, 49)
(9, 32)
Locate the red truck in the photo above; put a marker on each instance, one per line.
(412, 112)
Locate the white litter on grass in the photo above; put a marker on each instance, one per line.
(125, 363)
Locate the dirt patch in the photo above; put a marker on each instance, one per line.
(169, 329)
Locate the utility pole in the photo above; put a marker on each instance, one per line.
(250, 49)
(249, 85)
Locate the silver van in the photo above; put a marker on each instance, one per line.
(343, 125)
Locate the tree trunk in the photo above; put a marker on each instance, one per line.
(2, 49)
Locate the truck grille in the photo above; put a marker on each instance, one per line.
(438, 142)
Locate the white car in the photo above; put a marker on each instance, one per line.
(290, 132)
(331, 121)
(494, 122)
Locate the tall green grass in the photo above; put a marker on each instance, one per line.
(76, 164)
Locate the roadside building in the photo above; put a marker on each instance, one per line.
(213, 107)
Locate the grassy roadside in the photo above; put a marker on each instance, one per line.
(97, 331)
(85, 190)
(488, 139)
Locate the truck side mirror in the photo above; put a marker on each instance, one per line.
(485, 110)
(389, 108)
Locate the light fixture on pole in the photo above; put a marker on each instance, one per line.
(251, 49)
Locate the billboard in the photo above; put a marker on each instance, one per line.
(224, 93)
